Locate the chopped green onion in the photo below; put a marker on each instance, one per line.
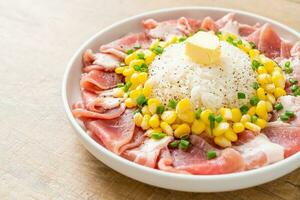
(172, 104)
(239, 42)
(254, 118)
(158, 50)
(141, 100)
(198, 113)
(218, 118)
(140, 55)
(219, 33)
(158, 136)
(289, 113)
(287, 64)
(255, 85)
(230, 40)
(287, 67)
(211, 154)
(294, 88)
(182, 39)
(141, 68)
(241, 95)
(255, 64)
(127, 85)
(160, 109)
(254, 100)
(119, 85)
(212, 119)
(137, 111)
(244, 109)
(174, 144)
(253, 45)
(284, 118)
(184, 144)
(130, 51)
(297, 92)
(278, 106)
(293, 81)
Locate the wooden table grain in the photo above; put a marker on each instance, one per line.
(40, 155)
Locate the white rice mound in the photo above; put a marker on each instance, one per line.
(175, 76)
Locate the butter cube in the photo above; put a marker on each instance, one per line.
(203, 48)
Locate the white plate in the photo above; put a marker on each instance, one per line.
(193, 183)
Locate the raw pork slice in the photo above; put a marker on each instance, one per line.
(194, 160)
(137, 139)
(96, 81)
(285, 135)
(99, 61)
(108, 114)
(165, 29)
(147, 153)
(295, 51)
(120, 46)
(259, 151)
(267, 41)
(113, 133)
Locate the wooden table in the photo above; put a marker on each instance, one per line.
(40, 155)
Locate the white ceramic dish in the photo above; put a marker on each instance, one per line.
(193, 183)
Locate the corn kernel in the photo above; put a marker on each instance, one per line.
(238, 127)
(230, 135)
(226, 113)
(208, 131)
(138, 118)
(261, 108)
(153, 103)
(245, 118)
(236, 114)
(142, 77)
(145, 122)
(130, 103)
(271, 98)
(187, 116)
(278, 79)
(261, 123)
(264, 79)
(134, 94)
(221, 128)
(134, 78)
(279, 92)
(145, 110)
(269, 106)
(149, 56)
(119, 70)
(147, 90)
(261, 70)
(198, 127)
(251, 111)
(253, 53)
(182, 130)
(269, 65)
(136, 62)
(129, 58)
(269, 87)
(169, 116)
(222, 141)
(118, 92)
(154, 121)
(166, 128)
(184, 105)
(128, 72)
(261, 93)
(252, 127)
(204, 116)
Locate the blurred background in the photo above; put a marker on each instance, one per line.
(40, 156)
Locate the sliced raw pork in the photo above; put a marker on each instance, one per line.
(113, 133)
(96, 81)
(147, 153)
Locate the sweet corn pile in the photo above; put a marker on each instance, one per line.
(180, 119)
